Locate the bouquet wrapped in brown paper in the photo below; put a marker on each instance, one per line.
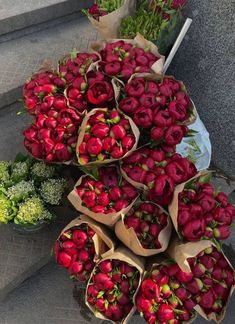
(105, 198)
(113, 285)
(106, 136)
(162, 295)
(198, 211)
(124, 57)
(81, 244)
(145, 229)
(212, 282)
(106, 16)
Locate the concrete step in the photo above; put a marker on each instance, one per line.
(21, 57)
(18, 15)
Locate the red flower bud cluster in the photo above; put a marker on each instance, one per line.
(108, 135)
(163, 298)
(53, 135)
(43, 91)
(203, 213)
(95, 11)
(111, 289)
(121, 59)
(159, 107)
(212, 282)
(75, 251)
(159, 171)
(107, 195)
(147, 220)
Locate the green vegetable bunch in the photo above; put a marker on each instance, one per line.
(109, 6)
(26, 188)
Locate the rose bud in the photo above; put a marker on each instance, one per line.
(128, 142)
(137, 174)
(112, 68)
(177, 110)
(79, 237)
(189, 304)
(221, 216)
(194, 230)
(100, 305)
(143, 117)
(105, 266)
(182, 293)
(183, 216)
(175, 171)
(165, 313)
(157, 133)
(174, 135)
(129, 192)
(157, 155)
(184, 277)
(129, 105)
(135, 88)
(222, 232)
(222, 262)
(69, 247)
(103, 199)
(75, 268)
(198, 270)
(115, 193)
(207, 261)
(83, 256)
(150, 289)
(163, 185)
(64, 259)
(207, 202)
(100, 130)
(120, 204)
(94, 146)
(143, 305)
(114, 313)
(98, 209)
(207, 299)
(108, 143)
(117, 152)
(30, 134)
(117, 132)
(195, 286)
(163, 119)
(222, 198)
(207, 188)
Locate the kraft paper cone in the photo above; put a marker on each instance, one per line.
(129, 238)
(180, 253)
(173, 208)
(103, 239)
(122, 254)
(108, 25)
(134, 129)
(138, 41)
(107, 219)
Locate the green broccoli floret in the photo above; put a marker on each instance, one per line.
(7, 210)
(41, 171)
(32, 211)
(52, 190)
(4, 172)
(21, 190)
(20, 171)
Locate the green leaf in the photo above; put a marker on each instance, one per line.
(191, 133)
(100, 294)
(74, 53)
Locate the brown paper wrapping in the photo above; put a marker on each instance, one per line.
(130, 239)
(174, 205)
(103, 239)
(134, 129)
(122, 254)
(108, 25)
(139, 41)
(158, 77)
(180, 253)
(107, 219)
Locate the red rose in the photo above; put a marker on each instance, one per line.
(135, 88)
(164, 185)
(163, 119)
(143, 117)
(100, 92)
(129, 105)
(174, 134)
(177, 110)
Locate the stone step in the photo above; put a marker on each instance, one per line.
(19, 58)
(19, 15)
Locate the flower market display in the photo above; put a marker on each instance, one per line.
(147, 237)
